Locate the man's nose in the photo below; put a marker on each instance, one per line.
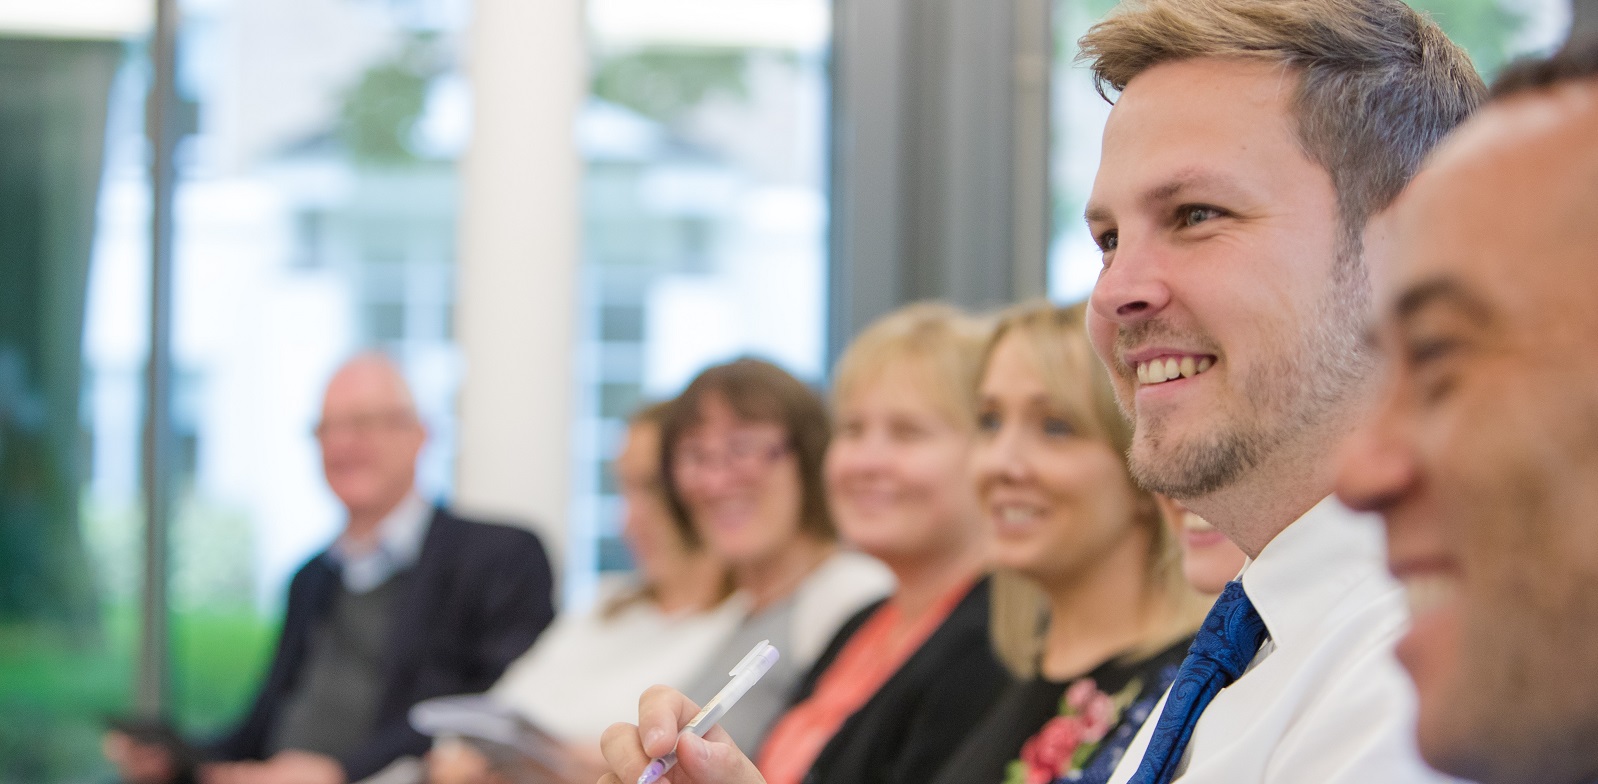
(1132, 287)
(1377, 465)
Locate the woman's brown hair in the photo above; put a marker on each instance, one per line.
(757, 391)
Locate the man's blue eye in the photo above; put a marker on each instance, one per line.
(1193, 216)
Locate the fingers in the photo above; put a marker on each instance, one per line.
(231, 773)
(583, 763)
(624, 753)
(137, 763)
(711, 762)
(454, 762)
(719, 735)
(114, 745)
(662, 713)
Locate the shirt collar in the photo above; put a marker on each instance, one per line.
(1302, 574)
(399, 544)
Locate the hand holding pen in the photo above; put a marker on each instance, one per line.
(666, 727)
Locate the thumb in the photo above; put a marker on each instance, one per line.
(711, 762)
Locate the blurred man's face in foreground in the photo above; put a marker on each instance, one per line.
(1483, 455)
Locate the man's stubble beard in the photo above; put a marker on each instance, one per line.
(1284, 400)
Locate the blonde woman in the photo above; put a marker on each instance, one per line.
(1091, 610)
(880, 705)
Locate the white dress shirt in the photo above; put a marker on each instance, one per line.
(398, 545)
(1324, 700)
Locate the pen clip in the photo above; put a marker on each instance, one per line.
(754, 655)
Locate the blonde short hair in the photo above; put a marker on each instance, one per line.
(1381, 84)
(940, 342)
(1079, 387)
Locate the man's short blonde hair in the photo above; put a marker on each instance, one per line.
(1381, 84)
(940, 343)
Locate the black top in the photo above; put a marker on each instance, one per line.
(908, 729)
(477, 597)
(992, 753)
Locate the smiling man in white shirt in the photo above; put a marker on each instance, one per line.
(1252, 151)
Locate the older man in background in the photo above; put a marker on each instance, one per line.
(1483, 456)
(409, 602)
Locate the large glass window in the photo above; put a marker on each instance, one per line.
(314, 215)
(704, 212)
(68, 574)
(1493, 31)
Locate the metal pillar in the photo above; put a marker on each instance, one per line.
(939, 155)
(1584, 17)
(161, 127)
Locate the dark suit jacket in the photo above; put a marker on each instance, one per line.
(478, 596)
(911, 726)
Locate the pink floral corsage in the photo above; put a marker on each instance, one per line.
(1068, 740)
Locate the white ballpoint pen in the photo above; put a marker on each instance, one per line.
(748, 671)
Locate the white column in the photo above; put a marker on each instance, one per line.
(519, 255)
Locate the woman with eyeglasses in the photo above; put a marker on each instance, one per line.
(742, 451)
(884, 704)
(1091, 609)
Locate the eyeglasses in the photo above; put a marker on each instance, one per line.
(362, 425)
(740, 455)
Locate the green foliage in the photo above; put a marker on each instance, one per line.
(55, 695)
(665, 82)
(219, 657)
(1486, 28)
(381, 110)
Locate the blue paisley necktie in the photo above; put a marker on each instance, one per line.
(1225, 644)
